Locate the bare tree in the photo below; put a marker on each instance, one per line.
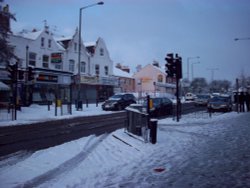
(6, 51)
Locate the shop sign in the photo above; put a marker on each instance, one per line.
(47, 78)
(56, 57)
(109, 81)
(89, 80)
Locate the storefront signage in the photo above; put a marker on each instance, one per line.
(47, 78)
(89, 80)
(56, 57)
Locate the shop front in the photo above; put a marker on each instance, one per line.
(50, 86)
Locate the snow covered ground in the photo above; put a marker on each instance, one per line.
(198, 151)
(38, 113)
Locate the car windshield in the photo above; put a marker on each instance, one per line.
(115, 97)
(203, 96)
(219, 99)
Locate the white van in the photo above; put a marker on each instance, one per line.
(189, 96)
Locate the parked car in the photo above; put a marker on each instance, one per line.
(119, 101)
(201, 99)
(220, 103)
(189, 97)
(162, 106)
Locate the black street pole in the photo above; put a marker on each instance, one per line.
(237, 95)
(177, 100)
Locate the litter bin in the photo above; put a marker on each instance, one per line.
(153, 131)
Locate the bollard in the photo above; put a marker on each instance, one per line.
(153, 130)
(48, 105)
(87, 103)
(79, 105)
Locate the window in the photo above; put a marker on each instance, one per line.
(71, 65)
(160, 78)
(97, 69)
(106, 69)
(42, 42)
(49, 43)
(32, 59)
(58, 66)
(75, 46)
(45, 61)
(101, 52)
(83, 67)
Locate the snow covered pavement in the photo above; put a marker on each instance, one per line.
(198, 151)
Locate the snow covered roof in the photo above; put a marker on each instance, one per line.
(87, 44)
(29, 34)
(120, 73)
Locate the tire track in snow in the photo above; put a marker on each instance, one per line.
(66, 166)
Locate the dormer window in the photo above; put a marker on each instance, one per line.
(101, 52)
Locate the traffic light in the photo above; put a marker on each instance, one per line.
(170, 65)
(12, 69)
(20, 74)
(31, 74)
(179, 68)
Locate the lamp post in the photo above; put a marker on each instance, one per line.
(188, 59)
(192, 69)
(212, 72)
(79, 49)
(244, 38)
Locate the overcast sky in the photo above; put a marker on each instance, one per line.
(140, 31)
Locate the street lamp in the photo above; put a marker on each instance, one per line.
(79, 49)
(192, 69)
(197, 57)
(212, 72)
(244, 38)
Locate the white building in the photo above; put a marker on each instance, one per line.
(58, 74)
(39, 50)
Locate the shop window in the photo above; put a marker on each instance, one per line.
(97, 69)
(71, 65)
(45, 61)
(106, 69)
(32, 59)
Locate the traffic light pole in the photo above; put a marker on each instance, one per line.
(174, 70)
(178, 102)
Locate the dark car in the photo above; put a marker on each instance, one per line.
(220, 103)
(201, 99)
(119, 101)
(162, 106)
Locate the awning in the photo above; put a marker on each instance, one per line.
(4, 87)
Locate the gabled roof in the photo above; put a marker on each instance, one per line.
(32, 35)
